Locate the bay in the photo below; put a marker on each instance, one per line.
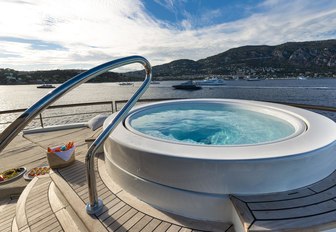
(311, 91)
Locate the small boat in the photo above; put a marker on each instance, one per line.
(213, 81)
(45, 86)
(253, 79)
(126, 83)
(189, 85)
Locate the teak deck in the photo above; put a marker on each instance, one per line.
(309, 208)
(119, 215)
(121, 212)
(312, 208)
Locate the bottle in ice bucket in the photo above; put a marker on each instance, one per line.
(65, 147)
(61, 156)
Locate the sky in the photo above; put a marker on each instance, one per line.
(80, 34)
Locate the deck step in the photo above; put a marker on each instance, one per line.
(57, 202)
(64, 212)
(121, 211)
(311, 208)
(33, 211)
(42, 207)
(7, 212)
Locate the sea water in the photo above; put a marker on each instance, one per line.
(311, 91)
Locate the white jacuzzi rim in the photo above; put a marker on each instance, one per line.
(306, 142)
(297, 123)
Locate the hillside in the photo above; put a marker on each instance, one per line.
(313, 59)
(10, 76)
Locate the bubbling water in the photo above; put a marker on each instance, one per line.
(211, 124)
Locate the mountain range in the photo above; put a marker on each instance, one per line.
(311, 59)
(315, 59)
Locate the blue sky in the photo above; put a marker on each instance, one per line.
(49, 34)
(201, 14)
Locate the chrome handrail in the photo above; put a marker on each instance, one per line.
(15, 127)
(95, 204)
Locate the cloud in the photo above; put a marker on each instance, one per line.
(34, 44)
(168, 4)
(18, 1)
(44, 34)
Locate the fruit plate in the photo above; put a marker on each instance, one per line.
(37, 171)
(11, 174)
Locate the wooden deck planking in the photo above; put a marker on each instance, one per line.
(76, 181)
(107, 197)
(110, 212)
(80, 179)
(151, 225)
(55, 138)
(43, 223)
(16, 146)
(6, 225)
(163, 226)
(36, 200)
(7, 212)
(140, 224)
(108, 204)
(122, 220)
(277, 196)
(324, 184)
(244, 213)
(37, 215)
(299, 212)
(314, 223)
(174, 228)
(185, 230)
(13, 154)
(28, 158)
(76, 177)
(38, 196)
(312, 208)
(54, 227)
(40, 216)
(76, 172)
(114, 217)
(299, 202)
(77, 165)
(131, 222)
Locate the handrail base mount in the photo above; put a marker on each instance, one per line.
(95, 208)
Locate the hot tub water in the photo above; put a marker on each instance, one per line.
(210, 124)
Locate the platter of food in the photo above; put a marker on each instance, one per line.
(11, 174)
(37, 171)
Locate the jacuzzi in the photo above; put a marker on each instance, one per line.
(192, 172)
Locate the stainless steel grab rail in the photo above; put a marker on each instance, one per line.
(95, 204)
(18, 125)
